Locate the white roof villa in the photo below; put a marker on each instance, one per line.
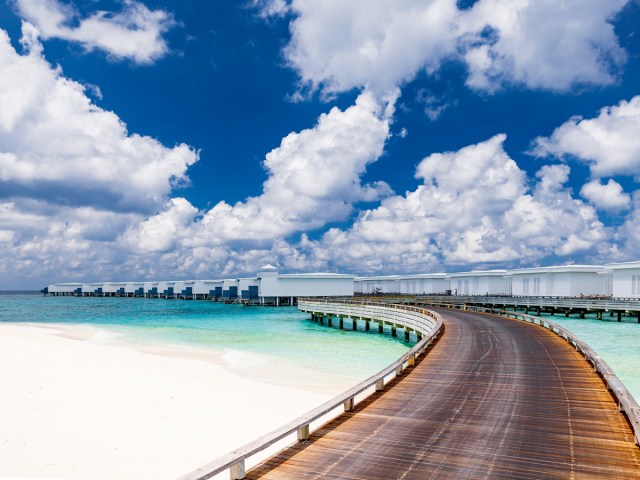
(419, 284)
(268, 286)
(560, 281)
(625, 279)
(481, 282)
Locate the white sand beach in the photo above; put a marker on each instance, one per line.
(74, 407)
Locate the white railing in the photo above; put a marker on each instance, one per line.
(626, 402)
(577, 303)
(424, 322)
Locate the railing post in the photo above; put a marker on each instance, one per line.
(237, 471)
(303, 433)
(349, 405)
(412, 360)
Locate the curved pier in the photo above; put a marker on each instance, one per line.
(495, 398)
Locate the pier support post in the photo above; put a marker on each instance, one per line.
(367, 325)
(394, 331)
(380, 385)
(341, 323)
(599, 315)
(406, 335)
(619, 316)
(381, 326)
(237, 471)
(330, 321)
(412, 360)
(354, 325)
(321, 320)
(582, 314)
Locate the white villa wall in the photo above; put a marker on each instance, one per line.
(567, 282)
(64, 287)
(625, 279)
(244, 283)
(623, 283)
(420, 285)
(306, 286)
(203, 287)
(583, 283)
(229, 283)
(112, 287)
(371, 285)
(131, 287)
(481, 283)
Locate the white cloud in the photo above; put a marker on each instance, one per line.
(56, 144)
(313, 179)
(473, 208)
(609, 196)
(628, 235)
(73, 180)
(609, 143)
(550, 221)
(341, 45)
(134, 33)
(542, 43)
(162, 232)
(336, 46)
(271, 8)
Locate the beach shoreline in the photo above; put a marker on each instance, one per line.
(80, 402)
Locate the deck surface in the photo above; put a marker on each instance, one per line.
(494, 399)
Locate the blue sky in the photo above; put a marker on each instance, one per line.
(201, 139)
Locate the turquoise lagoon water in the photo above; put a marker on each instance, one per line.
(258, 342)
(618, 343)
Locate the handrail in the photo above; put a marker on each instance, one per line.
(626, 402)
(614, 304)
(235, 460)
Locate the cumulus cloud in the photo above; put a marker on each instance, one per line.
(134, 33)
(313, 179)
(336, 46)
(541, 43)
(608, 196)
(55, 144)
(73, 180)
(162, 232)
(474, 207)
(628, 234)
(608, 143)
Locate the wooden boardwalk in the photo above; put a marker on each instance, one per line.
(494, 399)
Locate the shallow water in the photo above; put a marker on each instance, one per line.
(279, 345)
